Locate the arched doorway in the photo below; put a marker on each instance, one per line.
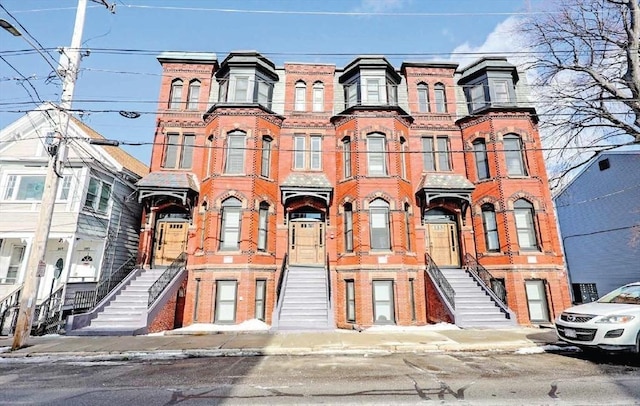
(442, 237)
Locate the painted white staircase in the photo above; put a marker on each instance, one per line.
(126, 314)
(474, 306)
(305, 303)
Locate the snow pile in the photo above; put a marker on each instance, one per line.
(249, 325)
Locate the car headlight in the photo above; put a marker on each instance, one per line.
(616, 319)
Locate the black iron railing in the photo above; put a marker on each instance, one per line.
(486, 280)
(443, 284)
(328, 281)
(47, 318)
(167, 276)
(9, 311)
(87, 299)
(283, 269)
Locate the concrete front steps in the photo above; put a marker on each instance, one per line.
(126, 314)
(305, 303)
(474, 307)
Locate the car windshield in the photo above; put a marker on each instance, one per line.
(629, 294)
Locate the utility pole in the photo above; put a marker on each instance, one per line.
(70, 60)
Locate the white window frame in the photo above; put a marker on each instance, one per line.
(423, 98)
(235, 156)
(490, 224)
(230, 224)
(514, 155)
(178, 152)
(263, 226)
(175, 94)
(380, 225)
(477, 97)
(501, 94)
(102, 200)
(436, 156)
(300, 96)
(318, 97)
(376, 159)
(440, 97)
(193, 95)
(524, 216)
(307, 158)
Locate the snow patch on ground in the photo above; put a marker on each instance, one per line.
(5, 349)
(249, 325)
(545, 348)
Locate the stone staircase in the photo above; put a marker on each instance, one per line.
(126, 314)
(305, 303)
(474, 306)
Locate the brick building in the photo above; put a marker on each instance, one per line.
(313, 196)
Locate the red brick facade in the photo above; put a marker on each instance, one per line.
(347, 127)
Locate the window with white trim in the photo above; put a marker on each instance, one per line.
(423, 98)
(318, 97)
(175, 95)
(307, 158)
(376, 154)
(514, 155)
(501, 92)
(24, 187)
(492, 241)
(230, 225)
(440, 98)
(300, 96)
(383, 302)
(477, 97)
(348, 227)
(98, 195)
(263, 224)
(193, 97)
(346, 156)
(482, 163)
(403, 157)
(178, 151)
(265, 166)
(525, 226)
(379, 225)
(435, 153)
(350, 296)
(234, 162)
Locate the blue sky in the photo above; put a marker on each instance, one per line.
(127, 77)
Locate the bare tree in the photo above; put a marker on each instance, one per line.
(587, 64)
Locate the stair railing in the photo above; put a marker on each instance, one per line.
(282, 280)
(87, 299)
(9, 309)
(47, 315)
(167, 276)
(484, 279)
(443, 285)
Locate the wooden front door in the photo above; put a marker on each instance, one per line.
(171, 241)
(306, 242)
(443, 244)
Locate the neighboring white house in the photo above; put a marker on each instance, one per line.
(599, 216)
(96, 218)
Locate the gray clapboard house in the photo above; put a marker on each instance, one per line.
(599, 216)
(96, 219)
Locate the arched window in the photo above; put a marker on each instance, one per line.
(525, 226)
(194, 95)
(440, 98)
(513, 154)
(300, 100)
(263, 224)
(230, 224)
(482, 163)
(175, 97)
(379, 225)
(234, 163)
(423, 98)
(348, 227)
(318, 96)
(376, 154)
(490, 227)
(403, 157)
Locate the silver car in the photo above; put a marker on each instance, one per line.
(612, 323)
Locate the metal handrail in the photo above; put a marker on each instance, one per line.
(329, 283)
(484, 278)
(87, 299)
(12, 301)
(443, 284)
(47, 314)
(167, 276)
(283, 268)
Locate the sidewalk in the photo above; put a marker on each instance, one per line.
(282, 343)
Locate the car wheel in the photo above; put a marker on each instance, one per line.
(637, 349)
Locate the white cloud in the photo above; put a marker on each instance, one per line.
(505, 40)
(381, 6)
